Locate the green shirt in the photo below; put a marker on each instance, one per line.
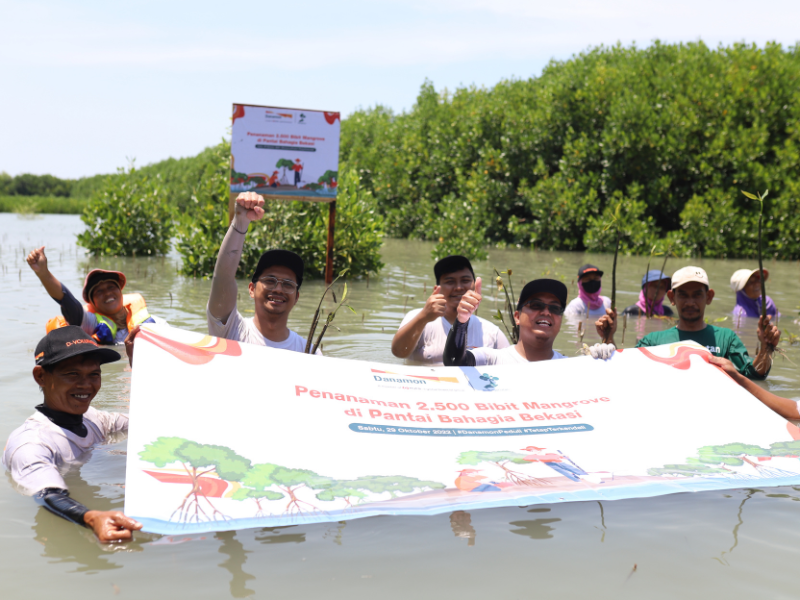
(719, 341)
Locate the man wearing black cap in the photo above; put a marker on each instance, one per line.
(423, 332)
(108, 314)
(589, 300)
(274, 287)
(64, 427)
(539, 312)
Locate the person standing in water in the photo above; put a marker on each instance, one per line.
(690, 294)
(651, 299)
(539, 312)
(746, 284)
(589, 300)
(64, 428)
(274, 287)
(107, 316)
(423, 332)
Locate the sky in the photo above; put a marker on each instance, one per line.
(89, 86)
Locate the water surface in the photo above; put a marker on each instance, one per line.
(739, 544)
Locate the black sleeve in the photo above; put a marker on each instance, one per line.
(455, 349)
(70, 307)
(58, 502)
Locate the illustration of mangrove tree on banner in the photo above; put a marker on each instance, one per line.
(738, 461)
(213, 471)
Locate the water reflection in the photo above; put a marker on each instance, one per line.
(234, 564)
(277, 535)
(461, 524)
(537, 529)
(722, 559)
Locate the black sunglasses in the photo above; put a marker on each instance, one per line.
(539, 306)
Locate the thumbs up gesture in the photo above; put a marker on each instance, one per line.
(469, 302)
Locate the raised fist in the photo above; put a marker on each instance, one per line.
(37, 260)
(251, 205)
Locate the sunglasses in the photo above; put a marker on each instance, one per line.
(539, 306)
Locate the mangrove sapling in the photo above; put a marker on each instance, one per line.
(615, 223)
(315, 320)
(329, 319)
(513, 331)
(763, 322)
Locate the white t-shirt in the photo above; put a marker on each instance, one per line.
(244, 330)
(430, 347)
(577, 308)
(506, 356)
(39, 451)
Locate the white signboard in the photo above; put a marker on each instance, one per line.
(285, 153)
(226, 435)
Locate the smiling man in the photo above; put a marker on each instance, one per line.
(423, 332)
(539, 313)
(274, 287)
(108, 314)
(690, 294)
(64, 427)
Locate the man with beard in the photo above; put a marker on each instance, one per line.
(690, 294)
(422, 334)
(274, 287)
(539, 313)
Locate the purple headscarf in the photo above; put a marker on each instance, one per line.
(747, 307)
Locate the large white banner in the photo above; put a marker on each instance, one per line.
(226, 435)
(285, 153)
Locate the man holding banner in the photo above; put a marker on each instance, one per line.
(274, 287)
(539, 313)
(690, 294)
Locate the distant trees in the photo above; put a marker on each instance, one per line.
(677, 130)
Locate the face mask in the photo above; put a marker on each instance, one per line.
(591, 287)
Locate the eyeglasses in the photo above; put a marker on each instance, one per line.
(272, 283)
(539, 306)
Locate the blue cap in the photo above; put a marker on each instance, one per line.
(655, 275)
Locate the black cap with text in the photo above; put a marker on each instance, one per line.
(66, 342)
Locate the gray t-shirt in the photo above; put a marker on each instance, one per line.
(244, 330)
(39, 451)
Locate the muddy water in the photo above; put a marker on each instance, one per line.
(737, 544)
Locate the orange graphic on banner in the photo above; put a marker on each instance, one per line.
(445, 379)
(238, 112)
(199, 353)
(210, 487)
(680, 356)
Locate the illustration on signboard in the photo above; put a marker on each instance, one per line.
(285, 152)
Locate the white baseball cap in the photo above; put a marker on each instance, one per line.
(687, 275)
(739, 278)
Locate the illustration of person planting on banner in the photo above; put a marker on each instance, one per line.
(555, 460)
(297, 167)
